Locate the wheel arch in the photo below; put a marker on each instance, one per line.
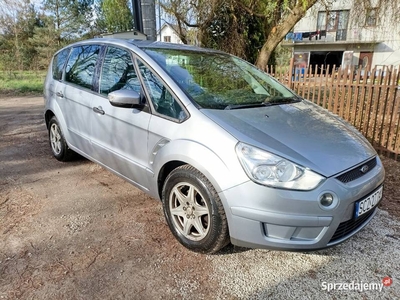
(55, 111)
(211, 218)
(47, 117)
(165, 171)
(180, 152)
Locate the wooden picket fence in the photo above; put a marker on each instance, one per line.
(367, 99)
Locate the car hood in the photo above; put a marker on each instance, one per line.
(301, 132)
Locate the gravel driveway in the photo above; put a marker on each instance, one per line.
(75, 231)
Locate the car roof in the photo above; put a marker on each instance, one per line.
(163, 45)
(143, 44)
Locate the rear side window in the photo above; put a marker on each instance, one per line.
(58, 63)
(118, 72)
(81, 65)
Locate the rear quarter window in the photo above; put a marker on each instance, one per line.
(59, 63)
(81, 65)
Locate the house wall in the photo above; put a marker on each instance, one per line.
(168, 31)
(384, 38)
(309, 22)
(387, 53)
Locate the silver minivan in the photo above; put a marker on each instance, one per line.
(233, 155)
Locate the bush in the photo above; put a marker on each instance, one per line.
(21, 82)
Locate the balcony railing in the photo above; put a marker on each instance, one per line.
(356, 35)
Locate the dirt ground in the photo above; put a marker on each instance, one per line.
(75, 231)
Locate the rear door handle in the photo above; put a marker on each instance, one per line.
(98, 110)
(60, 94)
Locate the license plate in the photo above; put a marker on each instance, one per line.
(368, 203)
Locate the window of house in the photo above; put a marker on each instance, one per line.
(371, 17)
(118, 72)
(334, 21)
(321, 21)
(81, 65)
(331, 22)
(167, 38)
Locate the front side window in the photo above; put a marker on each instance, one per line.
(81, 65)
(219, 81)
(118, 72)
(58, 63)
(163, 101)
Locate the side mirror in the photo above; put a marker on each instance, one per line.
(125, 98)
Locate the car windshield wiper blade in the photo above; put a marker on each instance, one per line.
(245, 105)
(281, 100)
(269, 102)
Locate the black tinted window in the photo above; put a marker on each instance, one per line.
(118, 72)
(58, 63)
(81, 65)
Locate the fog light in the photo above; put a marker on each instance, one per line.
(326, 199)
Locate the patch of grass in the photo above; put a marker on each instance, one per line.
(21, 82)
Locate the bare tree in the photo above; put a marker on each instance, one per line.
(191, 14)
(277, 18)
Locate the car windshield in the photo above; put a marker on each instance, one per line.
(221, 81)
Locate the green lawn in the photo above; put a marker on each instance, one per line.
(21, 82)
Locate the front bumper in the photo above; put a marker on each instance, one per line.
(263, 217)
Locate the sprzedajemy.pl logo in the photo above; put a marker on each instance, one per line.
(356, 286)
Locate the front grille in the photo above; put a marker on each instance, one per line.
(356, 172)
(349, 226)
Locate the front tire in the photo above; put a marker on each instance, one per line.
(194, 211)
(59, 146)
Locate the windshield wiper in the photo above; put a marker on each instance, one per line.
(269, 102)
(281, 100)
(245, 105)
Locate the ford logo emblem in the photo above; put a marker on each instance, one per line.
(364, 169)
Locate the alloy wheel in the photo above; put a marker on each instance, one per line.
(189, 211)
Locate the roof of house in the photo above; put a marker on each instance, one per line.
(174, 27)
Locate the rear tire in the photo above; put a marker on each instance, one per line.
(59, 146)
(194, 211)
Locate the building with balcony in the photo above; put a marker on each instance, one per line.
(345, 35)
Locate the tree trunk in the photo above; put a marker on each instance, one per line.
(281, 30)
(182, 32)
(266, 50)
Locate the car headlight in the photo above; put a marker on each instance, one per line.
(271, 170)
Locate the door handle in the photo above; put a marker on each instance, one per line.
(60, 94)
(99, 110)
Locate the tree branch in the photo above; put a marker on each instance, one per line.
(250, 11)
